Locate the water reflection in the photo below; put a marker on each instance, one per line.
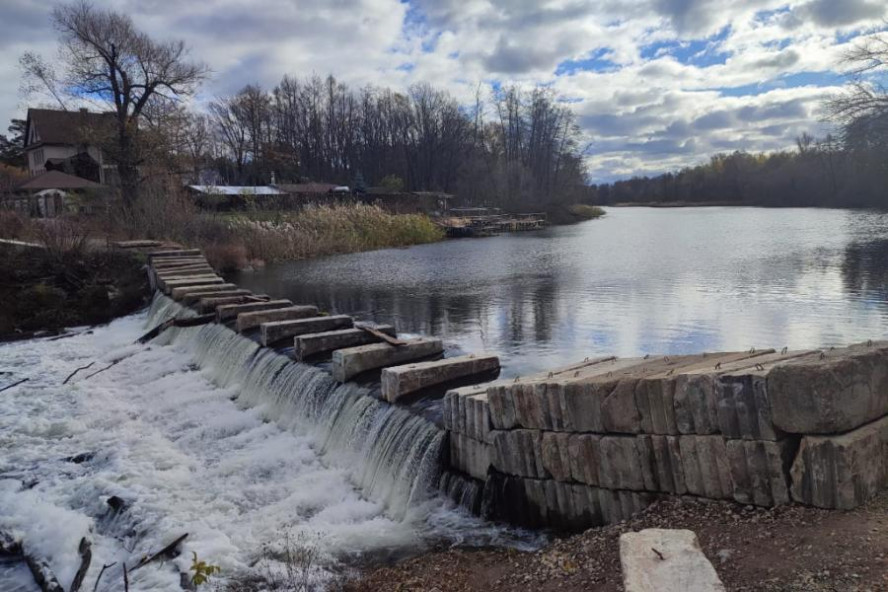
(638, 281)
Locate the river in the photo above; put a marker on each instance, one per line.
(638, 281)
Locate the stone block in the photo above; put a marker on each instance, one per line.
(830, 392)
(251, 320)
(555, 451)
(667, 463)
(707, 472)
(519, 452)
(544, 503)
(227, 312)
(327, 341)
(398, 381)
(585, 457)
(842, 471)
(469, 455)
(352, 361)
(277, 331)
(186, 271)
(180, 293)
(624, 463)
(660, 560)
(760, 470)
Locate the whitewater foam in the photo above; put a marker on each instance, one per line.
(202, 431)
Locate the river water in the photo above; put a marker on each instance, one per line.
(638, 281)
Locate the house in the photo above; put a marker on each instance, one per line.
(49, 194)
(68, 141)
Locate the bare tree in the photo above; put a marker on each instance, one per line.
(105, 57)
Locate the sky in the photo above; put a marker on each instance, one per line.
(655, 84)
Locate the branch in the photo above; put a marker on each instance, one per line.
(70, 376)
(6, 388)
(162, 553)
(85, 550)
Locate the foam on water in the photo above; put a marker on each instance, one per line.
(202, 431)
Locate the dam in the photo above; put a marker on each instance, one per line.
(575, 446)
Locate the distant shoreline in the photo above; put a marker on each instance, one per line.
(678, 204)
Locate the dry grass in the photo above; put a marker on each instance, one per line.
(586, 212)
(323, 230)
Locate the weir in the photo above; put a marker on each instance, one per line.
(584, 445)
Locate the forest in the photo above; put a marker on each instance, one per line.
(518, 148)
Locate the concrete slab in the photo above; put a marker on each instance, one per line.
(398, 381)
(327, 341)
(179, 293)
(227, 312)
(842, 471)
(273, 332)
(660, 560)
(830, 392)
(249, 320)
(352, 361)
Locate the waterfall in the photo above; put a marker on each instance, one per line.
(392, 455)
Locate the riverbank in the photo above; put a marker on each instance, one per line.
(783, 549)
(252, 239)
(43, 291)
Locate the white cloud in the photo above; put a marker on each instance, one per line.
(674, 80)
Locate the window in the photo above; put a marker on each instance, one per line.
(38, 157)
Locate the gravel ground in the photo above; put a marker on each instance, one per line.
(786, 549)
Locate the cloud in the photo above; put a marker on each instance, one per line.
(655, 84)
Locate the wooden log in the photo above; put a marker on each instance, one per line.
(403, 380)
(380, 335)
(227, 312)
(352, 361)
(327, 341)
(180, 293)
(280, 330)
(250, 320)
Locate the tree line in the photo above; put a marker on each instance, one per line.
(519, 149)
(848, 168)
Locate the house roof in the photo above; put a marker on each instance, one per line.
(235, 190)
(56, 180)
(307, 187)
(64, 127)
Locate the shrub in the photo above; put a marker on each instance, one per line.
(586, 212)
(12, 225)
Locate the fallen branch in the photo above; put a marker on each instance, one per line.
(85, 550)
(43, 575)
(162, 553)
(125, 579)
(6, 388)
(188, 322)
(379, 334)
(70, 376)
(101, 573)
(114, 363)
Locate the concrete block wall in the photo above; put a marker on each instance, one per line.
(584, 445)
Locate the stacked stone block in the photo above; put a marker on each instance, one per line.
(756, 427)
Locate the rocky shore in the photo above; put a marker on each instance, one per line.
(784, 549)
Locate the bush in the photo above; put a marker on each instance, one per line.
(586, 212)
(12, 225)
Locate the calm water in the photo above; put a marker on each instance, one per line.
(638, 281)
